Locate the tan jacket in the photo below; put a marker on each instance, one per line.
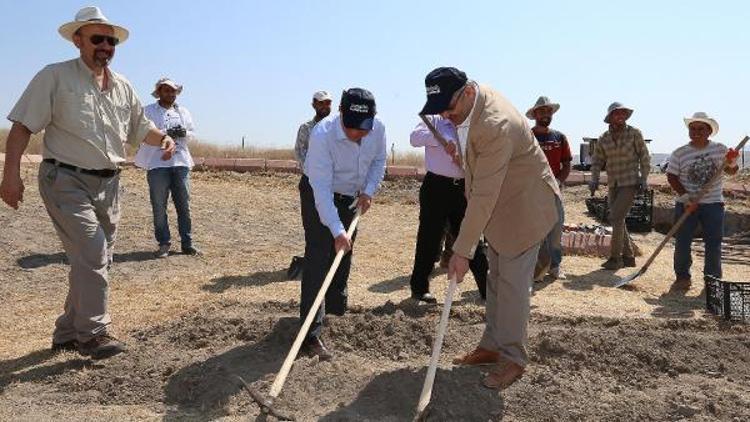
(509, 184)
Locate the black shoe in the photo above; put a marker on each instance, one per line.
(101, 347)
(314, 347)
(70, 345)
(295, 267)
(628, 261)
(191, 250)
(425, 297)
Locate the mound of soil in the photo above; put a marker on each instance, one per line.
(581, 368)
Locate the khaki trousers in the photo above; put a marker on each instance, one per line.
(620, 200)
(507, 306)
(85, 210)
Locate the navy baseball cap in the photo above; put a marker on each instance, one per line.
(358, 109)
(441, 84)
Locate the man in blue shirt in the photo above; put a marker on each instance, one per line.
(343, 169)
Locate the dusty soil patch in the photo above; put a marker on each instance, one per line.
(582, 368)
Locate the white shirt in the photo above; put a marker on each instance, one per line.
(149, 156)
(695, 167)
(334, 164)
(463, 128)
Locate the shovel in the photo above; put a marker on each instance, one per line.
(266, 405)
(701, 193)
(424, 398)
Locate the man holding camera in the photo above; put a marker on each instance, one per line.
(173, 175)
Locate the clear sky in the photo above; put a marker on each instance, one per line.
(250, 68)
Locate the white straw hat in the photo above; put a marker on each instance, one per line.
(87, 16)
(702, 117)
(168, 82)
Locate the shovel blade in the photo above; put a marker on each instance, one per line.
(627, 280)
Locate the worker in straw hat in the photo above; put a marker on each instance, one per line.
(625, 154)
(173, 175)
(691, 167)
(88, 113)
(556, 148)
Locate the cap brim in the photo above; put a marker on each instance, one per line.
(436, 105)
(357, 122)
(67, 30)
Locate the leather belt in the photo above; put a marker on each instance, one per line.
(106, 173)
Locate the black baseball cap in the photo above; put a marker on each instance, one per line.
(441, 84)
(358, 109)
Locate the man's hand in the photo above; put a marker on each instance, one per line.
(11, 191)
(458, 266)
(593, 186)
(731, 158)
(342, 242)
(690, 201)
(168, 146)
(452, 149)
(364, 202)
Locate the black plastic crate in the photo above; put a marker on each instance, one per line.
(640, 217)
(728, 299)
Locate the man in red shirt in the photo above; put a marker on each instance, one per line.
(557, 150)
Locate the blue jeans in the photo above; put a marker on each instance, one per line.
(551, 246)
(162, 181)
(711, 218)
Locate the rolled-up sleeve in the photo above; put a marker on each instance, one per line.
(140, 125)
(598, 158)
(319, 170)
(34, 108)
(376, 172)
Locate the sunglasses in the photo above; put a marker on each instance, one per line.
(98, 39)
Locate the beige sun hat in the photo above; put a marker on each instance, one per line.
(617, 106)
(542, 101)
(168, 82)
(87, 16)
(700, 116)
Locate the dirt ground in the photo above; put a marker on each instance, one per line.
(194, 324)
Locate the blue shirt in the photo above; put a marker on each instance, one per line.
(334, 164)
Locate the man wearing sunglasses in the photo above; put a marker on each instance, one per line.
(87, 113)
(511, 200)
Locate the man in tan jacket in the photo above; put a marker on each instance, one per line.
(511, 201)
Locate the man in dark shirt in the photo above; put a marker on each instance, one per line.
(557, 150)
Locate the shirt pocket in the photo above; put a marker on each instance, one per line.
(75, 113)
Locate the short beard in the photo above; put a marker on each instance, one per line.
(544, 122)
(320, 115)
(102, 61)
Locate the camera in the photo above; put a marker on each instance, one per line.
(177, 132)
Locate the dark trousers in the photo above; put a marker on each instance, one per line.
(711, 219)
(441, 202)
(319, 255)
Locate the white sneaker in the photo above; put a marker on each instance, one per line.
(557, 273)
(163, 251)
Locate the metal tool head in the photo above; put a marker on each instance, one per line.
(265, 404)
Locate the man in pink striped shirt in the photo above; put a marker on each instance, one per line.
(441, 200)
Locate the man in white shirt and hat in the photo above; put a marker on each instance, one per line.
(87, 112)
(691, 167)
(173, 175)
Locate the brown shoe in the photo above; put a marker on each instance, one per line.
(478, 356)
(70, 345)
(314, 347)
(682, 284)
(503, 375)
(101, 347)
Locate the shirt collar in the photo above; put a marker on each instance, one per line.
(467, 122)
(84, 68)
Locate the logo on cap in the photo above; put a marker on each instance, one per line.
(433, 90)
(359, 108)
